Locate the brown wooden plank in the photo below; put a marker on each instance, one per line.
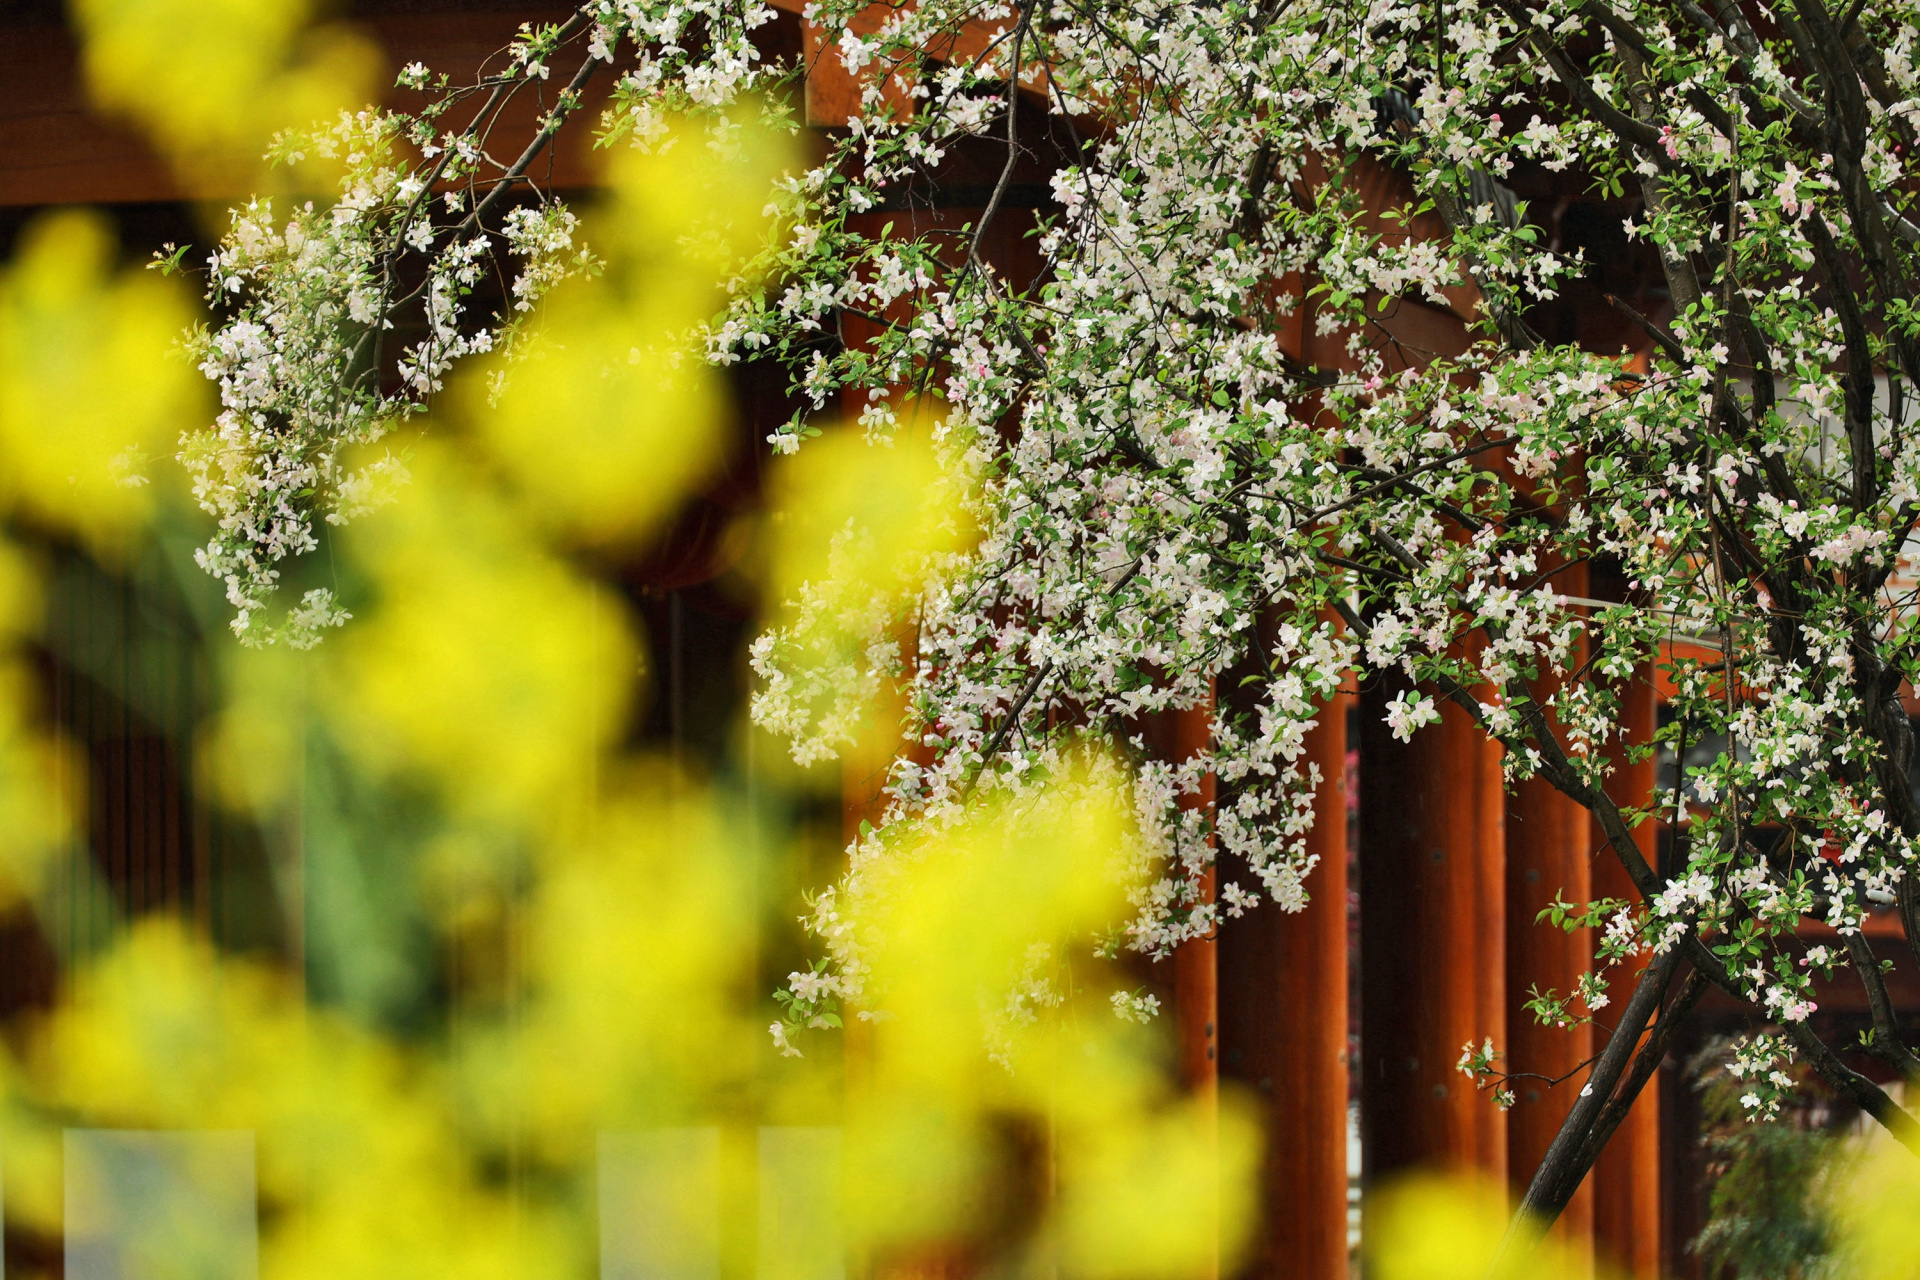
(1196, 962)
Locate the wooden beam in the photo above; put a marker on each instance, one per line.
(56, 149)
(53, 148)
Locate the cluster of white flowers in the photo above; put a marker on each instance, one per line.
(1759, 1062)
(1162, 511)
(308, 298)
(1135, 1006)
(1178, 510)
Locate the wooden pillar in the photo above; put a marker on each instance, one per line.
(1432, 941)
(1549, 854)
(1549, 839)
(1196, 962)
(1626, 1179)
(1283, 1034)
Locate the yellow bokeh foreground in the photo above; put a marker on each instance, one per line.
(1434, 1227)
(993, 1026)
(1875, 1202)
(603, 414)
(596, 919)
(94, 388)
(91, 388)
(214, 81)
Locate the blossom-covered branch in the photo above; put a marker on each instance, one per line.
(1172, 499)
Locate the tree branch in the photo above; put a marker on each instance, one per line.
(1864, 1093)
(1562, 1169)
(568, 101)
(1886, 1031)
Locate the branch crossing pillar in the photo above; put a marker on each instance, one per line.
(1626, 1178)
(1550, 853)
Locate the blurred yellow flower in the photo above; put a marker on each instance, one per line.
(607, 412)
(214, 80)
(92, 383)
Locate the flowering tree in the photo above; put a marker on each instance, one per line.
(1162, 494)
